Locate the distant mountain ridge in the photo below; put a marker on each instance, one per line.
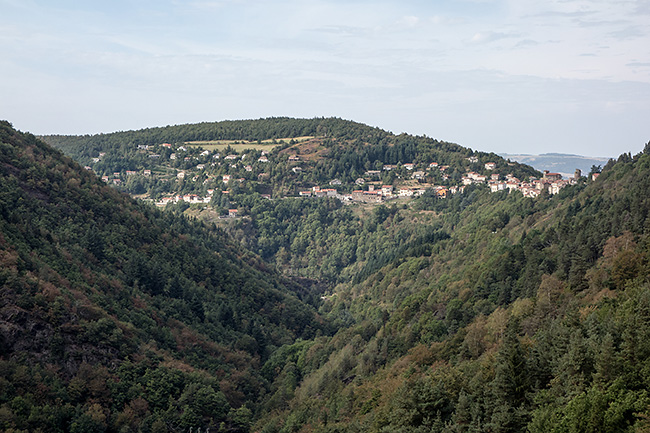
(562, 163)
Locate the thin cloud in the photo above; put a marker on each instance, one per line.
(409, 21)
(526, 43)
(341, 30)
(205, 6)
(643, 8)
(602, 23)
(638, 64)
(487, 37)
(563, 14)
(630, 32)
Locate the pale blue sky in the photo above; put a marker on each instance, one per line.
(517, 76)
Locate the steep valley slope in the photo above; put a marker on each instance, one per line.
(117, 317)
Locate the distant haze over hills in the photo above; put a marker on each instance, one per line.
(562, 163)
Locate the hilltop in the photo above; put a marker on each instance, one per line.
(280, 157)
(251, 192)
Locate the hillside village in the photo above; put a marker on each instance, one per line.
(183, 173)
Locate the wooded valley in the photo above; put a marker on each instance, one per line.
(478, 312)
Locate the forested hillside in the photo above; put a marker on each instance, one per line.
(481, 310)
(526, 315)
(259, 129)
(322, 238)
(118, 317)
(310, 152)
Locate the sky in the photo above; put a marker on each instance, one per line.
(503, 76)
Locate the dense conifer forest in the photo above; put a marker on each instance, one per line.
(478, 312)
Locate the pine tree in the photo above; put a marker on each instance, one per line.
(510, 383)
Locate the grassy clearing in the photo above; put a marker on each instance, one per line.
(241, 145)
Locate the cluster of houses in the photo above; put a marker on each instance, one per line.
(417, 174)
(188, 198)
(97, 159)
(376, 195)
(316, 191)
(370, 189)
(550, 182)
(388, 192)
(116, 179)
